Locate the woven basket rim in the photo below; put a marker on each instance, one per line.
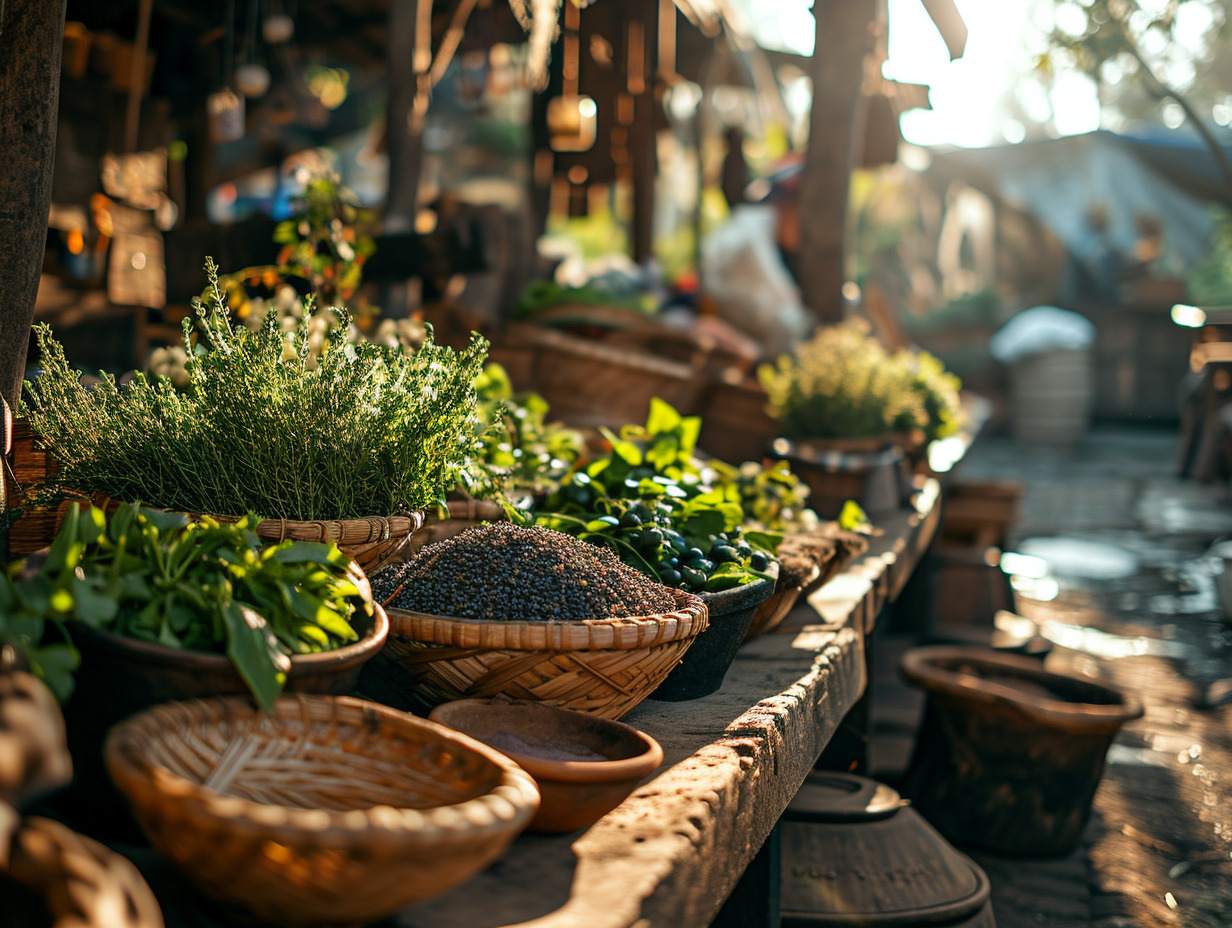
(621, 633)
(542, 336)
(382, 528)
(513, 800)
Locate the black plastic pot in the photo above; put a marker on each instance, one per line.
(1009, 755)
(701, 670)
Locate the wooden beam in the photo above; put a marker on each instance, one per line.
(31, 47)
(846, 32)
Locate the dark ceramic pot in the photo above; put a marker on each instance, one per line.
(1009, 755)
(701, 670)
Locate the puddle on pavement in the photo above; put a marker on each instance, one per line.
(1082, 559)
(1137, 757)
(1106, 644)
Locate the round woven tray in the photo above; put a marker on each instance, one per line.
(602, 666)
(334, 811)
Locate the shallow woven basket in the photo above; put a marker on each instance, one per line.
(588, 384)
(602, 666)
(335, 811)
(370, 542)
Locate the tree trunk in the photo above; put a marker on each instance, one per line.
(31, 46)
(845, 36)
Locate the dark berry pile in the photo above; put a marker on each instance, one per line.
(514, 573)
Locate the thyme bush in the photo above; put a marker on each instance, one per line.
(262, 426)
(842, 383)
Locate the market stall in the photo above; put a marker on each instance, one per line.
(672, 853)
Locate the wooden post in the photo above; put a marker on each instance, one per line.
(845, 37)
(31, 47)
(409, 59)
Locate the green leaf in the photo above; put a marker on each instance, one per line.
(254, 651)
(57, 557)
(93, 608)
(168, 637)
(690, 429)
(93, 526)
(180, 617)
(728, 576)
(765, 541)
(312, 552)
(627, 452)
(165, 521)
(702, 522)
(662, 418)
(852, 517)
(55, 664)
(133, 585)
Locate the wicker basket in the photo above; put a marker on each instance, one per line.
(370, 542)
(58, 877)
(334, 811)
(462, 514)
(589, 384)
(602, 666)
(28, 464)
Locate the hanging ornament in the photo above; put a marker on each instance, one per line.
(278, 28)
(252, 79)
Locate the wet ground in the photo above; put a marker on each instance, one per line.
(1117, 577)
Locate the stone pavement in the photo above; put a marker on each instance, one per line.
(1130, 599)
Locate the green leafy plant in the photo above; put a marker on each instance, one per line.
(938, 390)
(663, 510)
(363, 430)
(23, 627)
(323, 253)
(531, 453)
(842, 383)
(195, 585)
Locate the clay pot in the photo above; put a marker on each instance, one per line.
(871, 471)
(583, 765)
(1009, 755)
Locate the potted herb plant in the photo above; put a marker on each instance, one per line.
(847, 409)
(160, 607)
(348, 446)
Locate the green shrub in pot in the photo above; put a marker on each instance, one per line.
(843, 384)
(196, 586)
(263, 426)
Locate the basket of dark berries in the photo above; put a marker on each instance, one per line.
(530, 613)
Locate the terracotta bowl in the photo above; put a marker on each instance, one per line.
(583, 765)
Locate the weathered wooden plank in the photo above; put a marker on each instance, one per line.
(670, 854)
